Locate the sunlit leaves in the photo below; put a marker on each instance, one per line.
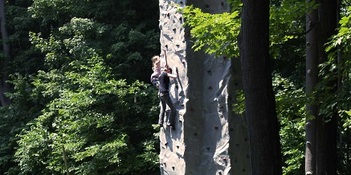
(218, 34)
(290, 104)
(287, 22)
(214, 33)
(91, 121)
(342, 38)
(87, 119)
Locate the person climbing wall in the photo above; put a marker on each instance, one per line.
(165, 98)
(164, 80)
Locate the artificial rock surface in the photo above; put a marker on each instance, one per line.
(209, 139)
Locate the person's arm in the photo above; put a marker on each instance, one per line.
(171, 75)
(165, 54)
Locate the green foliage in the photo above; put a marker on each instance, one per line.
(290, 105)
(336, 71)
(87, 119)
(287, 22)
(14, 117)
(19, 23)
(92, 123)
(293, 147)
(218, 34)
(81, 135)
(239, 105)
(214, 33)
(334, 95)
(342, 39)
(127, 33)
(235, 5)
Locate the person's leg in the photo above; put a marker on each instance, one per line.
(162, 111)
(171, 120)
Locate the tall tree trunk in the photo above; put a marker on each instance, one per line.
(326, 150)
(257, 84)
(311, 80)
(4, 86)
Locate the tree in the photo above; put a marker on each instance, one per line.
(257, 83)
(25, 61)
(311, 81)
(4, 85)
(217, 34)
(321, 121)
(326, 129)
(287, 36)
(126, 37)
(92, 123)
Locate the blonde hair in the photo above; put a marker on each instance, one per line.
(154, 59)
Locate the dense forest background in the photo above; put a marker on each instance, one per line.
(75, 92)
(79, 95)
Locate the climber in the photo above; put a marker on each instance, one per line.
(157, 70)
(164, 85)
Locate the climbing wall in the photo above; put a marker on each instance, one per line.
(172, 39)
(209, 138)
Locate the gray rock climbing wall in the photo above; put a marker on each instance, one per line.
(209, 139)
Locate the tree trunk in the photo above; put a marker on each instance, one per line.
(260, 111)
(4, 86)
(311, 80)
(326, 150)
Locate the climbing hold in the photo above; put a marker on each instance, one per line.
(210, 87)
(216, 127)
(225, 160)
